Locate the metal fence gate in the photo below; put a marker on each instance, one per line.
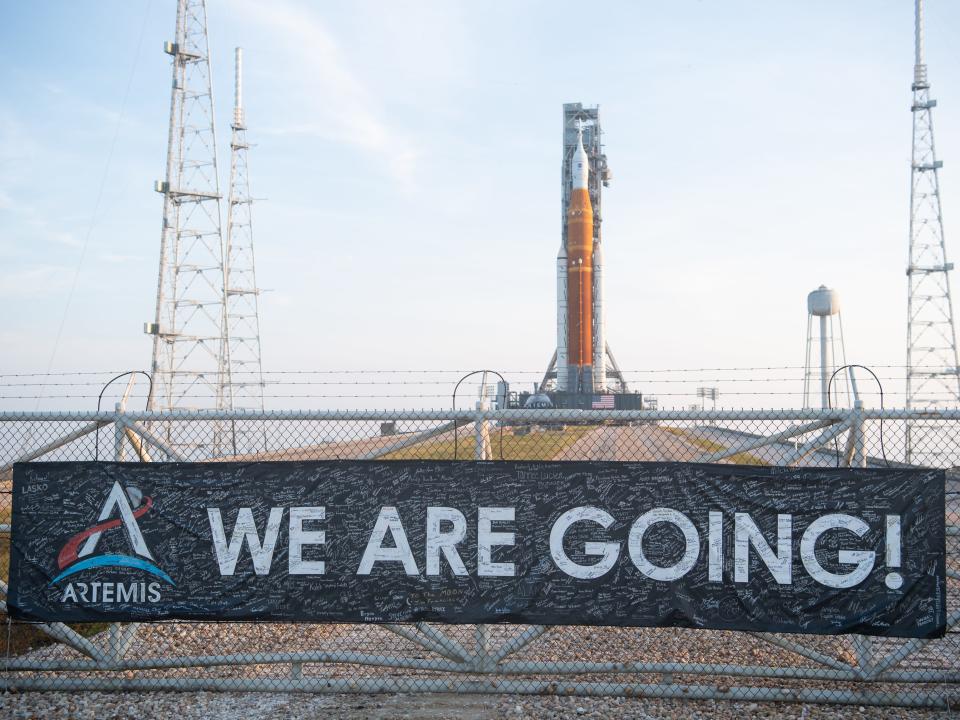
(427, 657)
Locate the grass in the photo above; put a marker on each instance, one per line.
(25, 636)
(532, 446)
(740, 458)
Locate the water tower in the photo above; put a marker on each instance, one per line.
(824, 305)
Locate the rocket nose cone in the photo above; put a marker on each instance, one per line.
(579, 165)
(579, 152)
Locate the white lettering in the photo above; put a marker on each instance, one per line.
(300, 537)
(690, 553)
(487, 540)
(445, 542)
(608, 551)
(863, 559)
(245, 529)
(746, 533)
(389, 519)
(715, 547)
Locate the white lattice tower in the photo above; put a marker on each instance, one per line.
(243, 312)
(245, 391)
(932, 365)
(190, 364)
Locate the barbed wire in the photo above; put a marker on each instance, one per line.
(310, 383)
(394, 371)
(425, 396)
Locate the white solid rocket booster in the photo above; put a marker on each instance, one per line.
(561, 363)
(599, 321)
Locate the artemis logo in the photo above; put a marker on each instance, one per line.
(74, 558)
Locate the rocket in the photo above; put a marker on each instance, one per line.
(579, 290)
(582, 355)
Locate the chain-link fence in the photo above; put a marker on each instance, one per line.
(428, 657)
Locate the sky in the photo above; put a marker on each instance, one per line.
(408, 153)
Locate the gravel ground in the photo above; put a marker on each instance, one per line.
(601, 643)
(230, 706)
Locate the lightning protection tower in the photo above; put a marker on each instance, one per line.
(932, 366)
(245, 390)
(190, 349)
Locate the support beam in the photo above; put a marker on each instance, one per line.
(519, 642)
(63, 634)
(818, 442)
(412, 440)
(150, 438)
(911, 646)
(803, 651)
(426, 643)
(7, 470)
(764, 441)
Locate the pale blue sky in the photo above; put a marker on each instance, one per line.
(409, 155)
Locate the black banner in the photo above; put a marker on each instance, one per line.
(583, 543)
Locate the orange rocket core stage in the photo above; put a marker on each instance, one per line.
(580, 279)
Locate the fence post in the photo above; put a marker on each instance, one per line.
(481, 638)
(114, 641)
(857, 457)
(481, 434)
(119, 437)
(860, 445)
(119, 455)
(481, 452)
(854, 452)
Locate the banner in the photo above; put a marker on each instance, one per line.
(728, 547)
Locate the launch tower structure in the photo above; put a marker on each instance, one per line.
(245, 390)
(190, 363)
(583, 124)
(933, 370)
